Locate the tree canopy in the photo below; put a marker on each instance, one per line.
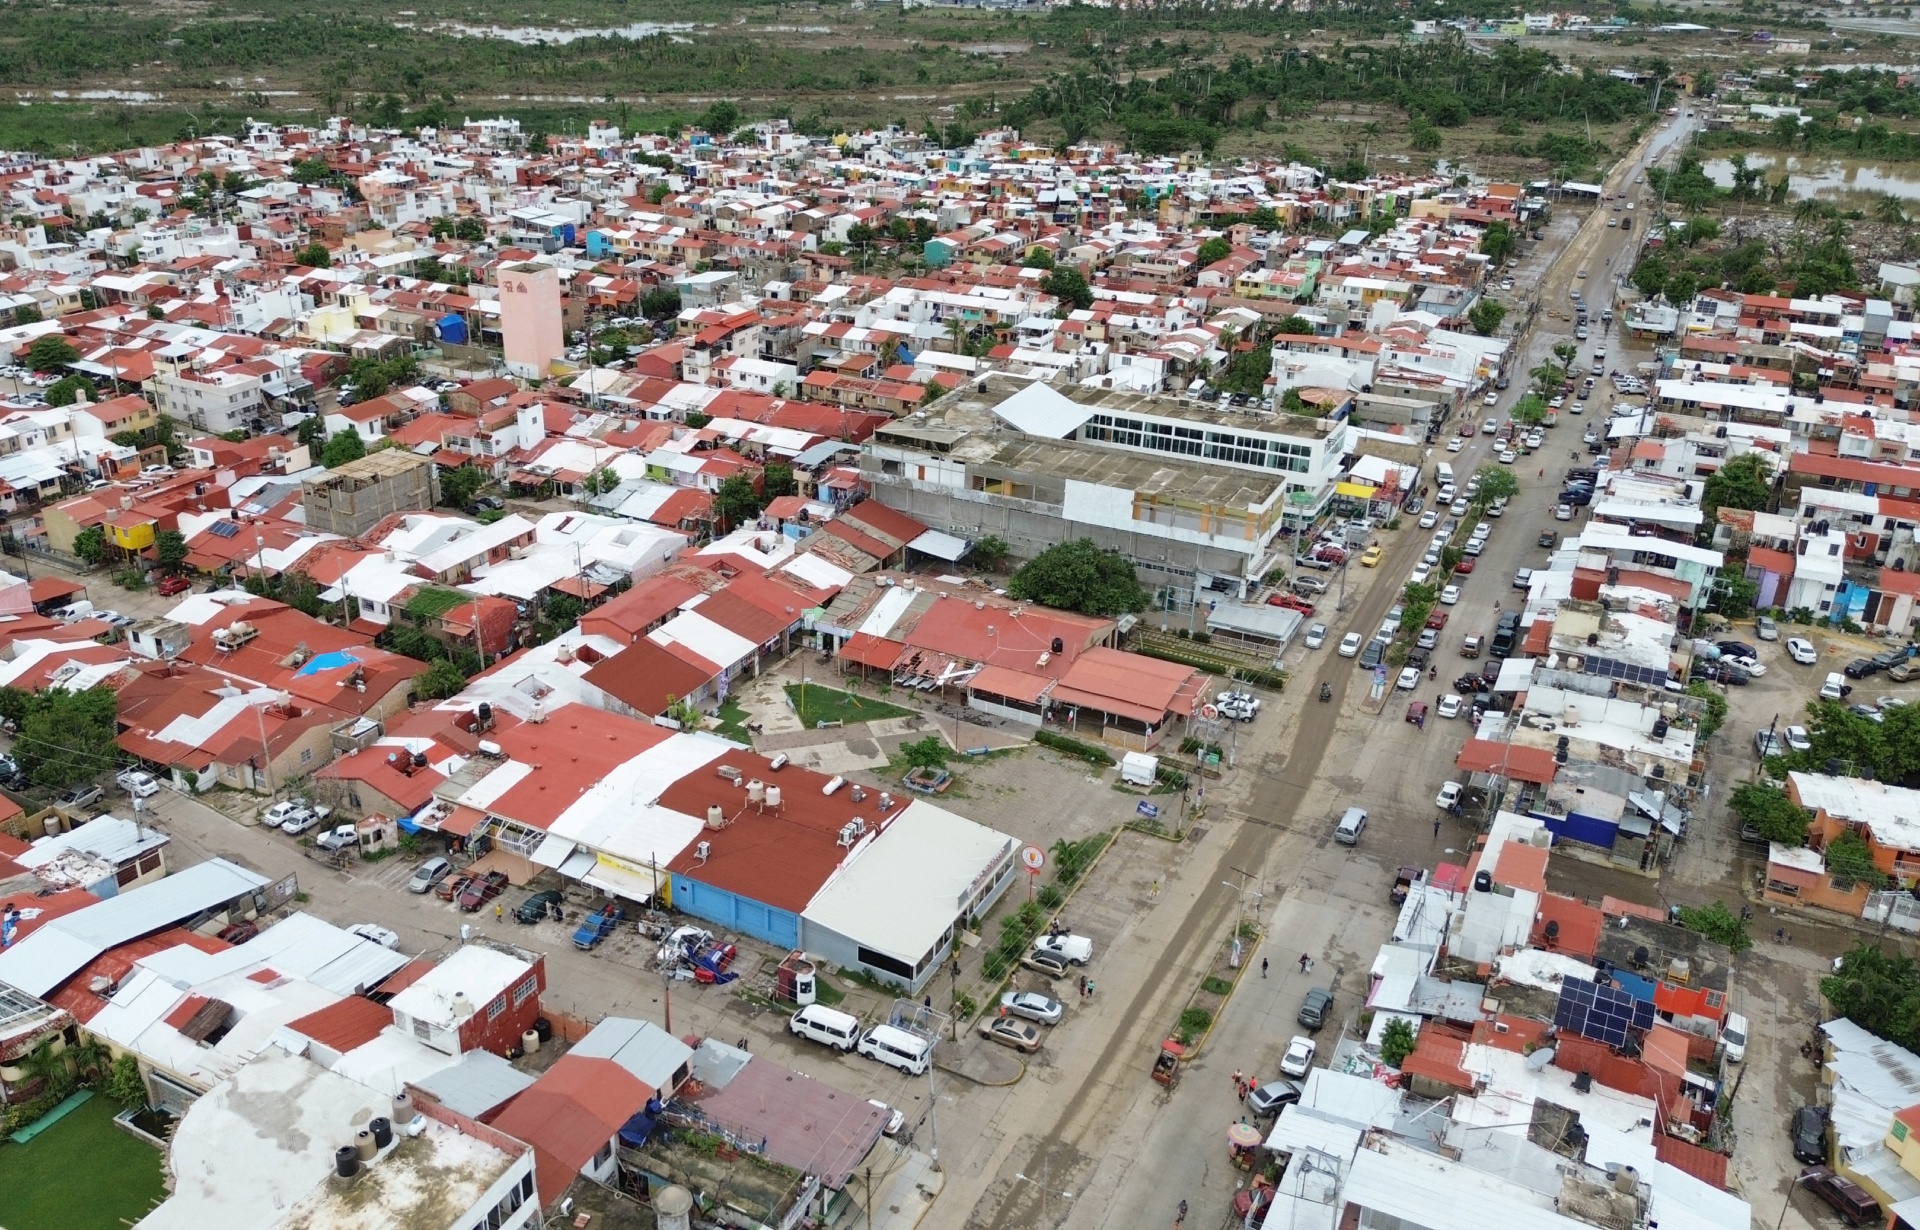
(1486, 315)
(1496, 483)
(1068, 285)
(1879, 991)
(342, 447)
(1079, 576)
(460, 484)
(1744, 482)
(1767, 809)
(65, 737)
(50, 352)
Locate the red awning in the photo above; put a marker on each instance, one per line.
(869, 650)
(1064, 695)
(463, 821)
(1012, 684)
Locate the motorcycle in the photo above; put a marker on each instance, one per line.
(1326, 691)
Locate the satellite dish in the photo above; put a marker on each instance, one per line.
(1540, 1059)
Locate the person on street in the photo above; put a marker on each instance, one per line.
(1263, 967)
(496, 911)
(1239, 1083)
(1436, 828)
(1181, 1220)
(1306, 962)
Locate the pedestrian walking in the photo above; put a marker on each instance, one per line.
(1306, 962)
(1089, 988)
(1239, 1083)
(1263, 967)
(496, 911)
(1436, 828)
(1181, 1220)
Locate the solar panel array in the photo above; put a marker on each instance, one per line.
(1607, 668)
(1602, 1013)
(225, 529)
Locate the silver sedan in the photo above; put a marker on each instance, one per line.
(1033, 1006)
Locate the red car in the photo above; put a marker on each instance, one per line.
(1291, 603)
(482, 889)
(172, 585)
(451, 887)
(1463, 567)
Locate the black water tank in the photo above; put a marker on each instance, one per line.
(1660, 728)
(1483, 881)
(1059, 646)
(382, 1129)
(346, 1161)
(485, 713)
(1552, 931)
(543, 1027)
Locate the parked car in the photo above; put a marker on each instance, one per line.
(1008, 1032)
(1810, 1134)
(1449, 595)
(1766, 629)
(536, 907)
(1074, 949)
(1847, 1198)
(1315, 1009)
(299, 821)
(1450, 706)
(375, 932)
(1268, 1099)
(1370, 557)
(450, 889)
(429, 874)
(171, 585)
(598, 925)
(1045, 963)
(1449, 795)
(238, 933)
(1316, 636)
(481, 890)
(84, 795)
(345, 837)
(1033, 1006)
(1859, 668)
(1802, 651)
(140, 785)
(1298, 1060)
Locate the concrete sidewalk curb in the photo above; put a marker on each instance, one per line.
(1200, 1043)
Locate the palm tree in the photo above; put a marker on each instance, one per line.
(91, 1059)
(1809, 210)
(1887, 209)
(46, 1065)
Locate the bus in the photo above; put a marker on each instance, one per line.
(1443, 475)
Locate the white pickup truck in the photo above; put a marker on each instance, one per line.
(1076, 949)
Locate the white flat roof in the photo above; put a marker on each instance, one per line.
(900, 893)
(479, 970)
(1891, 812)
(621, 814)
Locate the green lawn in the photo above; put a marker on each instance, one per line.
(733, 722)
(80, 1174)
(820, 704)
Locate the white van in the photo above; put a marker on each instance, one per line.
(74, 612)
(826, 1026)
(897, 1048)
(1835, 687)
(1351, 825)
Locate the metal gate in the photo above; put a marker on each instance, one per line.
(1896, 909)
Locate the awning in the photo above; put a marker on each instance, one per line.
(940, 546)
(553, 851)
(463, 821)
(619, 883)
(868, 650)
(579, 587)
(1358, 491)
(1063, 695)
(46, 589)
(578, 864)
(1012, 684)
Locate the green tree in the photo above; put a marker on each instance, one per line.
(67, 737)
(1770, 812)
(1396, 1042)
(928, 753)
(27, 314)
(736, 501)
(1037, 258)
(1079, 576)
(1485, 316)
(777, 480)
(1498, 242)
(1215, 249)
(990, 552)
(439, 681)
(1264, 218)
(470, 230)
(170, 551)
(342, 447)
(1879, 991)
(1745, 482)
(1714, 708)
(125, 1084)
(69, 389)
(721, 119)
(1068, 285)
(460, 484)
(660, 302)
(313, 256)
(1529, 410)
(1849, 857)
(1718, 924)
(312, 431)
(1496, 483)
(90, 544)
(1734, 592)
(1295, 326)
(51, 352)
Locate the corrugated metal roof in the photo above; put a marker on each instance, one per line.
(649, 1052)
(59, 950)
(480, 1082)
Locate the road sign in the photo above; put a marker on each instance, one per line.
(1034, 857)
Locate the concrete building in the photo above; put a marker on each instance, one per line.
(1192, 495)
(531, 329)
(352, 499)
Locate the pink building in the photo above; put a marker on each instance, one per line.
(531, 327)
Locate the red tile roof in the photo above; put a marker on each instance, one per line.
(647, 677)
(353, 1021)
(1578, 934)
(1527, 764)
(570, 1114)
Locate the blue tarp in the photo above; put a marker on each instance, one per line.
(328, 662)
(453, 328)
(636, 1130)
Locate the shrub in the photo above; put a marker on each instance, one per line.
(1193, 1023)
(1073, 747)
(1396, 1042)
(995, 965)
(1217, 986)
(964, 1007)
(1050, 896)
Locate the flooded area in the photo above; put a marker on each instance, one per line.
(533, 35)
(1825, 177)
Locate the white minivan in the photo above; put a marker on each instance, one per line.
(1351, 825)
(1733, 1033)
(826, 1026)
(897, 1048)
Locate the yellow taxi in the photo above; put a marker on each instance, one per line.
(1370, 558)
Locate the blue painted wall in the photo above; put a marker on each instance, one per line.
(733, 912)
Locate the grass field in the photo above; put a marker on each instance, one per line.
(80, 1174)
(816, 704)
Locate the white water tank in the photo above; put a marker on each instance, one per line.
(462, 1006)
(489, 748)
(716, 818)
(833, 783)
(773, 797)
(757, 792)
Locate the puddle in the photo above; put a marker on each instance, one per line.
(1814, 177)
